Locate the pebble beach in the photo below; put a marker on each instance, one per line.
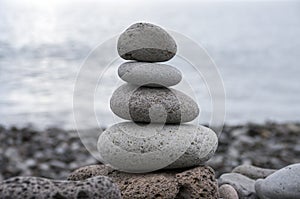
(157, 152)
(54, 153)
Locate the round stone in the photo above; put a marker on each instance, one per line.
(149, 74)
(139, 148)
(146, 42)
(228, 192)
(282, 184)
(159, 105)
(242, 184)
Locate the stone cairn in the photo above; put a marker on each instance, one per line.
(157, 137)
(156, 154)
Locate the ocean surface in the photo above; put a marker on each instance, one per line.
(255, 46)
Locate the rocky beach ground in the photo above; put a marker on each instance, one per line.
(54, 153)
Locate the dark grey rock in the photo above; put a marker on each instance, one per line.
(149, 74)
(100, 187)
(283, 184)
(159, 105)
(146, 42)
(242, 184)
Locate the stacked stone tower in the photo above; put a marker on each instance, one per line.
(158, 136)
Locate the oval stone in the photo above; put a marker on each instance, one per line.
(149, 74)
(139, 148)
(253, 172)
(146, 42)
(160, 105)
(282, 184)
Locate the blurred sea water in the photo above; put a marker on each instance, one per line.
(256, 46)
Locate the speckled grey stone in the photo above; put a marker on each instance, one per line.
(253, 172)
(242, 184)
(283, 184)
(149, 74)
(100, 187)
(138, 148)
(146, 42)
(226, 191)
(160, 105)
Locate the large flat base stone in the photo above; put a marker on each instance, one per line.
(198, 182)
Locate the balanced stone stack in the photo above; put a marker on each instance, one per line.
(158, 136)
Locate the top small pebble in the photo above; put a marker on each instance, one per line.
(146, 42)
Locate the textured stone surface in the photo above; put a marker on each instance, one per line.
(147, 186)
(144, 104)
(242, 184)
(198, 182)
(146, 42)
(142, 148)
(253, 172)
(283, 184)
(149, 74)
(33, 187)
(226, 191)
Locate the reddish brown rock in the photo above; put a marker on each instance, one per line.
(90, 171)
(198, 182)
